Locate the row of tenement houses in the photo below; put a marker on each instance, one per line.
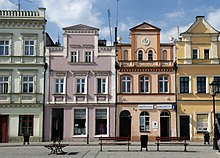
(86, 89)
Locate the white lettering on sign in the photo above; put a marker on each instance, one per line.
(164, 106)
(145, 107)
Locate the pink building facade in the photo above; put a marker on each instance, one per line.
(81, 87)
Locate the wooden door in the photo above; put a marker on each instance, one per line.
(4, 128)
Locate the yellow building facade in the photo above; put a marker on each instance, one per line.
(145, 85)
(197, 54)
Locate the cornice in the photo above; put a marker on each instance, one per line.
(132, 69)
(24, 105)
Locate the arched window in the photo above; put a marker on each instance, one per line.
(144, 121)
(144, 84)
(150, 55)
(126, 84)
(125, 55)
(140, 55)
(164, 55)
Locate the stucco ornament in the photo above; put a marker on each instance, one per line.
(145, 41)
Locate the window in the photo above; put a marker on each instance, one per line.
(163, 84)
(88, 56)
(201, 84)
(29, 47)
(59, 85)
(202, 122)
(4, 47)
(101, 85)
(217, 79)
(28, 84)
(184, 84)
(144, 84)
(164, 55)
(101, 121)
(140, 55)
(79, 122)
(125, 55)
(144, 122)
(195, 54)
(150, 55)
(126, 84)
(26, 125)
(80, 85)
(74, 57)
(206, 53)
(3, 84)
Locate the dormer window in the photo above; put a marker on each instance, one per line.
(206, 53)
(195, 53)
(88, 56)
(74, 56)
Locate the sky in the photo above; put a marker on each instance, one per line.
(168, 15)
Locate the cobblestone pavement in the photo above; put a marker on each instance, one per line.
(93, 151)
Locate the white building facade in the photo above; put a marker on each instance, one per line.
(22, 41)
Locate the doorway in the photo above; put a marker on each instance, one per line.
(184, 127)
(57, 123)
(165, 124)
(125, 124)
(3, 128)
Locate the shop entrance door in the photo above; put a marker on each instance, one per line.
(165, 124)
(184, 126)
(3, 128)
(125, 124)
(57, 123)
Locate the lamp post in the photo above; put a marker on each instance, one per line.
(214, 89)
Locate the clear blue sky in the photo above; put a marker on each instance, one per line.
(165, 14)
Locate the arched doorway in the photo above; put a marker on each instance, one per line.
(165, 124)
(125, 124)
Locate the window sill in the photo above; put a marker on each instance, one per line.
(79, 136)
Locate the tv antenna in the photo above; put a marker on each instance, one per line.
(109, 24)
(19, 3)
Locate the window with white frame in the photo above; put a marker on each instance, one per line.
(74, 56)
(29, 47)
(201, 84)
(79, 122)
(202, 122)
(195, 54)
(101, 121)
(184, 84)
(126, 84)
(27, 84)
(144, 84)
(101, 85)
(144, 121)
(88, 56)
(59, 85)
(80, 85)
(3, 84)
(163, 84)
(4, 47)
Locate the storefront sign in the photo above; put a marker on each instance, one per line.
(145, 106)
(164, 106)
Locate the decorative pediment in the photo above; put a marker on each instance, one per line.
(200, 26)
(144, 27)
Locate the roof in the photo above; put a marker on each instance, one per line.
(80, 27)
(144, 26)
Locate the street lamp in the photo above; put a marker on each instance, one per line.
(214, 89)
